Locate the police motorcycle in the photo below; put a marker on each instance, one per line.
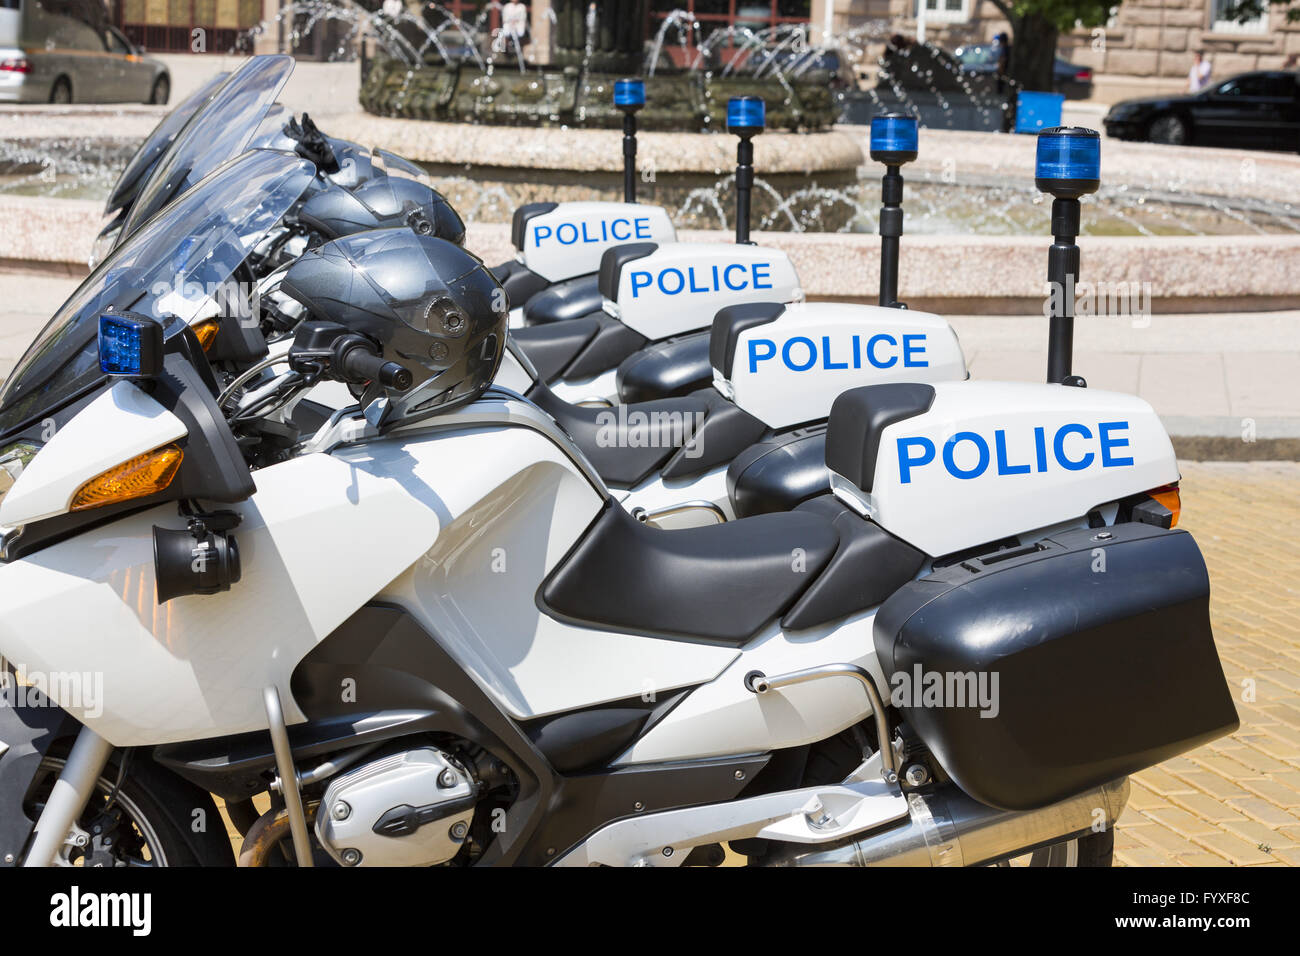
(553, 275)
(767, 684)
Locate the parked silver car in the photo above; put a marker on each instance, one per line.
(67, 51)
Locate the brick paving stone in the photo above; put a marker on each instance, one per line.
(1217, 805)
(1180, 821)
(1234, 849)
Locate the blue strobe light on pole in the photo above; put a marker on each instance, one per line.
(746, 117)
(893, 142)
(1068, 165)
(629, 97)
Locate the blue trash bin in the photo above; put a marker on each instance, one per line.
(1038, 111)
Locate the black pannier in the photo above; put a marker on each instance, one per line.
(1094, 648)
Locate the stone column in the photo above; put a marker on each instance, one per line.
(269, 41)
(539, 28)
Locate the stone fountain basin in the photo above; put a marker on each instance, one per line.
(999, 275)
(486, 171)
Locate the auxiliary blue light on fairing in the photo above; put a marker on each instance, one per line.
(746, 112)
(1068, 153)
(629, 93)
(121, 345)
(893, 133)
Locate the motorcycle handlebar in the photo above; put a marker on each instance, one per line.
(358, 363)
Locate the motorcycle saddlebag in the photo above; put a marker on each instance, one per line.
(1090, 652)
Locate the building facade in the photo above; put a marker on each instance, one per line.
(1147, 47)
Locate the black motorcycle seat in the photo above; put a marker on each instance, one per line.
(683, 435)
(719, 583)
(624, 445)
(520, 282)
(672, 367)
(779, 473)
(570, 299)
(577, 348)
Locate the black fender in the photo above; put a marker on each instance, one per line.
(27, 733)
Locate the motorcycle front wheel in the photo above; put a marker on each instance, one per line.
(144, 816)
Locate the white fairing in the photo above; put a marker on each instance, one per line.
(599, 388)
(724, 717)
(512, 374)
(459, 522)
(317, 540)
(114, 428)
(995, 459)
(569, 240)
(680, 287)
(789, 371)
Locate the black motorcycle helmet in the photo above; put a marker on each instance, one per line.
(429, 305)
(381, 203)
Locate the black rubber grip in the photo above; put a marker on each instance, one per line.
(359, 364)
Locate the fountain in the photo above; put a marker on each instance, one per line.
(422, 78)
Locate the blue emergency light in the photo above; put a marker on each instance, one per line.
(130, 345)
(1069, 162)
(893, 138)
(629, 93)
(746, 115)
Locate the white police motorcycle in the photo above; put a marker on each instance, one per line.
(433, 638)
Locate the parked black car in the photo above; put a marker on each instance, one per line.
(1251, 111)
(1074, 81)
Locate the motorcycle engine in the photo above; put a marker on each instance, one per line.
(408, 809)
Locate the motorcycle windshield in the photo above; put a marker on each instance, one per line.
(219, 131)
(156, 143)
(171, 267)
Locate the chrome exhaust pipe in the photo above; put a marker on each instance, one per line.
(948, 828)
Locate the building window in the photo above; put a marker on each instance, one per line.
(1221, 19)
(944, 11)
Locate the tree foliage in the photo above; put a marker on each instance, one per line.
(1035, 27)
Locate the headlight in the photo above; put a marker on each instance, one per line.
(13, 459)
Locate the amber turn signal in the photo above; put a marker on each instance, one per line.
(206, 331)
(1167, 495)
(140, 476)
